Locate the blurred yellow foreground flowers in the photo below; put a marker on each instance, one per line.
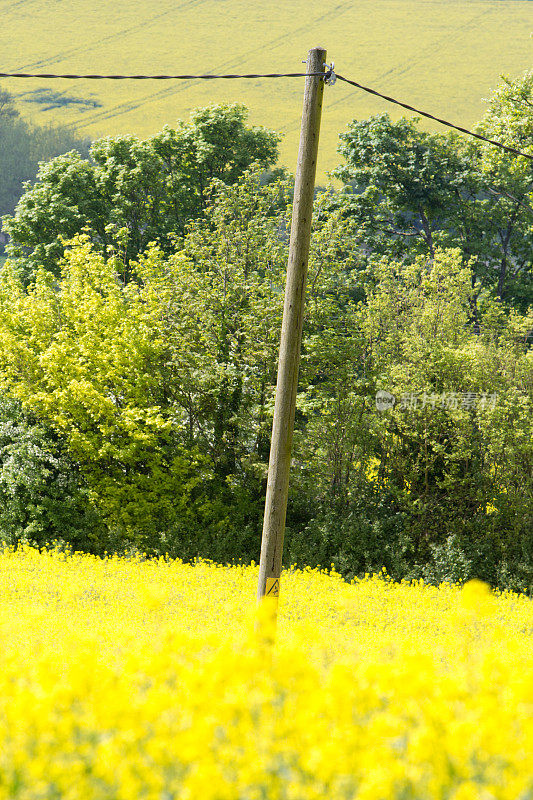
(123, 679)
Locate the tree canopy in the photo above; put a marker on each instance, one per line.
(138, 357)
(131, 192)
(409, 192)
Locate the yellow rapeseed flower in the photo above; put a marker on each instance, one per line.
(132, 679)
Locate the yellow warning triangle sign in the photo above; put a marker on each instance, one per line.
(272, 587)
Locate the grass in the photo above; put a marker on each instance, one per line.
(443, 55)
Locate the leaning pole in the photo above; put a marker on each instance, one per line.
(291, 332)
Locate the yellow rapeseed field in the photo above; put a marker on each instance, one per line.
(124, 679)
(443, 56)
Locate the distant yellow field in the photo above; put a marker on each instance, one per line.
(131, 680)
(441, 54)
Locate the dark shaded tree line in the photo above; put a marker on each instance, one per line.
(23, 146)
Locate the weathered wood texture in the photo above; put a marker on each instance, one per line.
(291, 331)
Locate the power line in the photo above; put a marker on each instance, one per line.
(329, 77)
(506, 147)
(158, 77)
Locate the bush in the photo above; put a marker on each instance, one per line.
(42, 495)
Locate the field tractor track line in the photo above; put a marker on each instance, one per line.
(58, 57)
(436, 47)
(6, 10)
(125, 108)
(402, 69)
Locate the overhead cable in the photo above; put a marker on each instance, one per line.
(158, 77)
(506, 147)
(329, 77)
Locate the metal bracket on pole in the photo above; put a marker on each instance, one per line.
(330, 77)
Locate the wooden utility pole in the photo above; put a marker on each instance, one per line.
(291, 332)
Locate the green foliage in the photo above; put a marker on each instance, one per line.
(447, 458)
(366, 535)
(509, 182)
(161, 389)
(86, 359)
(409, 192)
(441, 468)
(159, 386)
(134, 192)
(156, 373)
(407, 183)
(42, 496)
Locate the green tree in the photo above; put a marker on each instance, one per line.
(508, 180)
(161, 390)
(134, 192)
(160, 385)
(444, 477)
(405, 183)
(92, 352)
(409, 192)
(42, 495)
